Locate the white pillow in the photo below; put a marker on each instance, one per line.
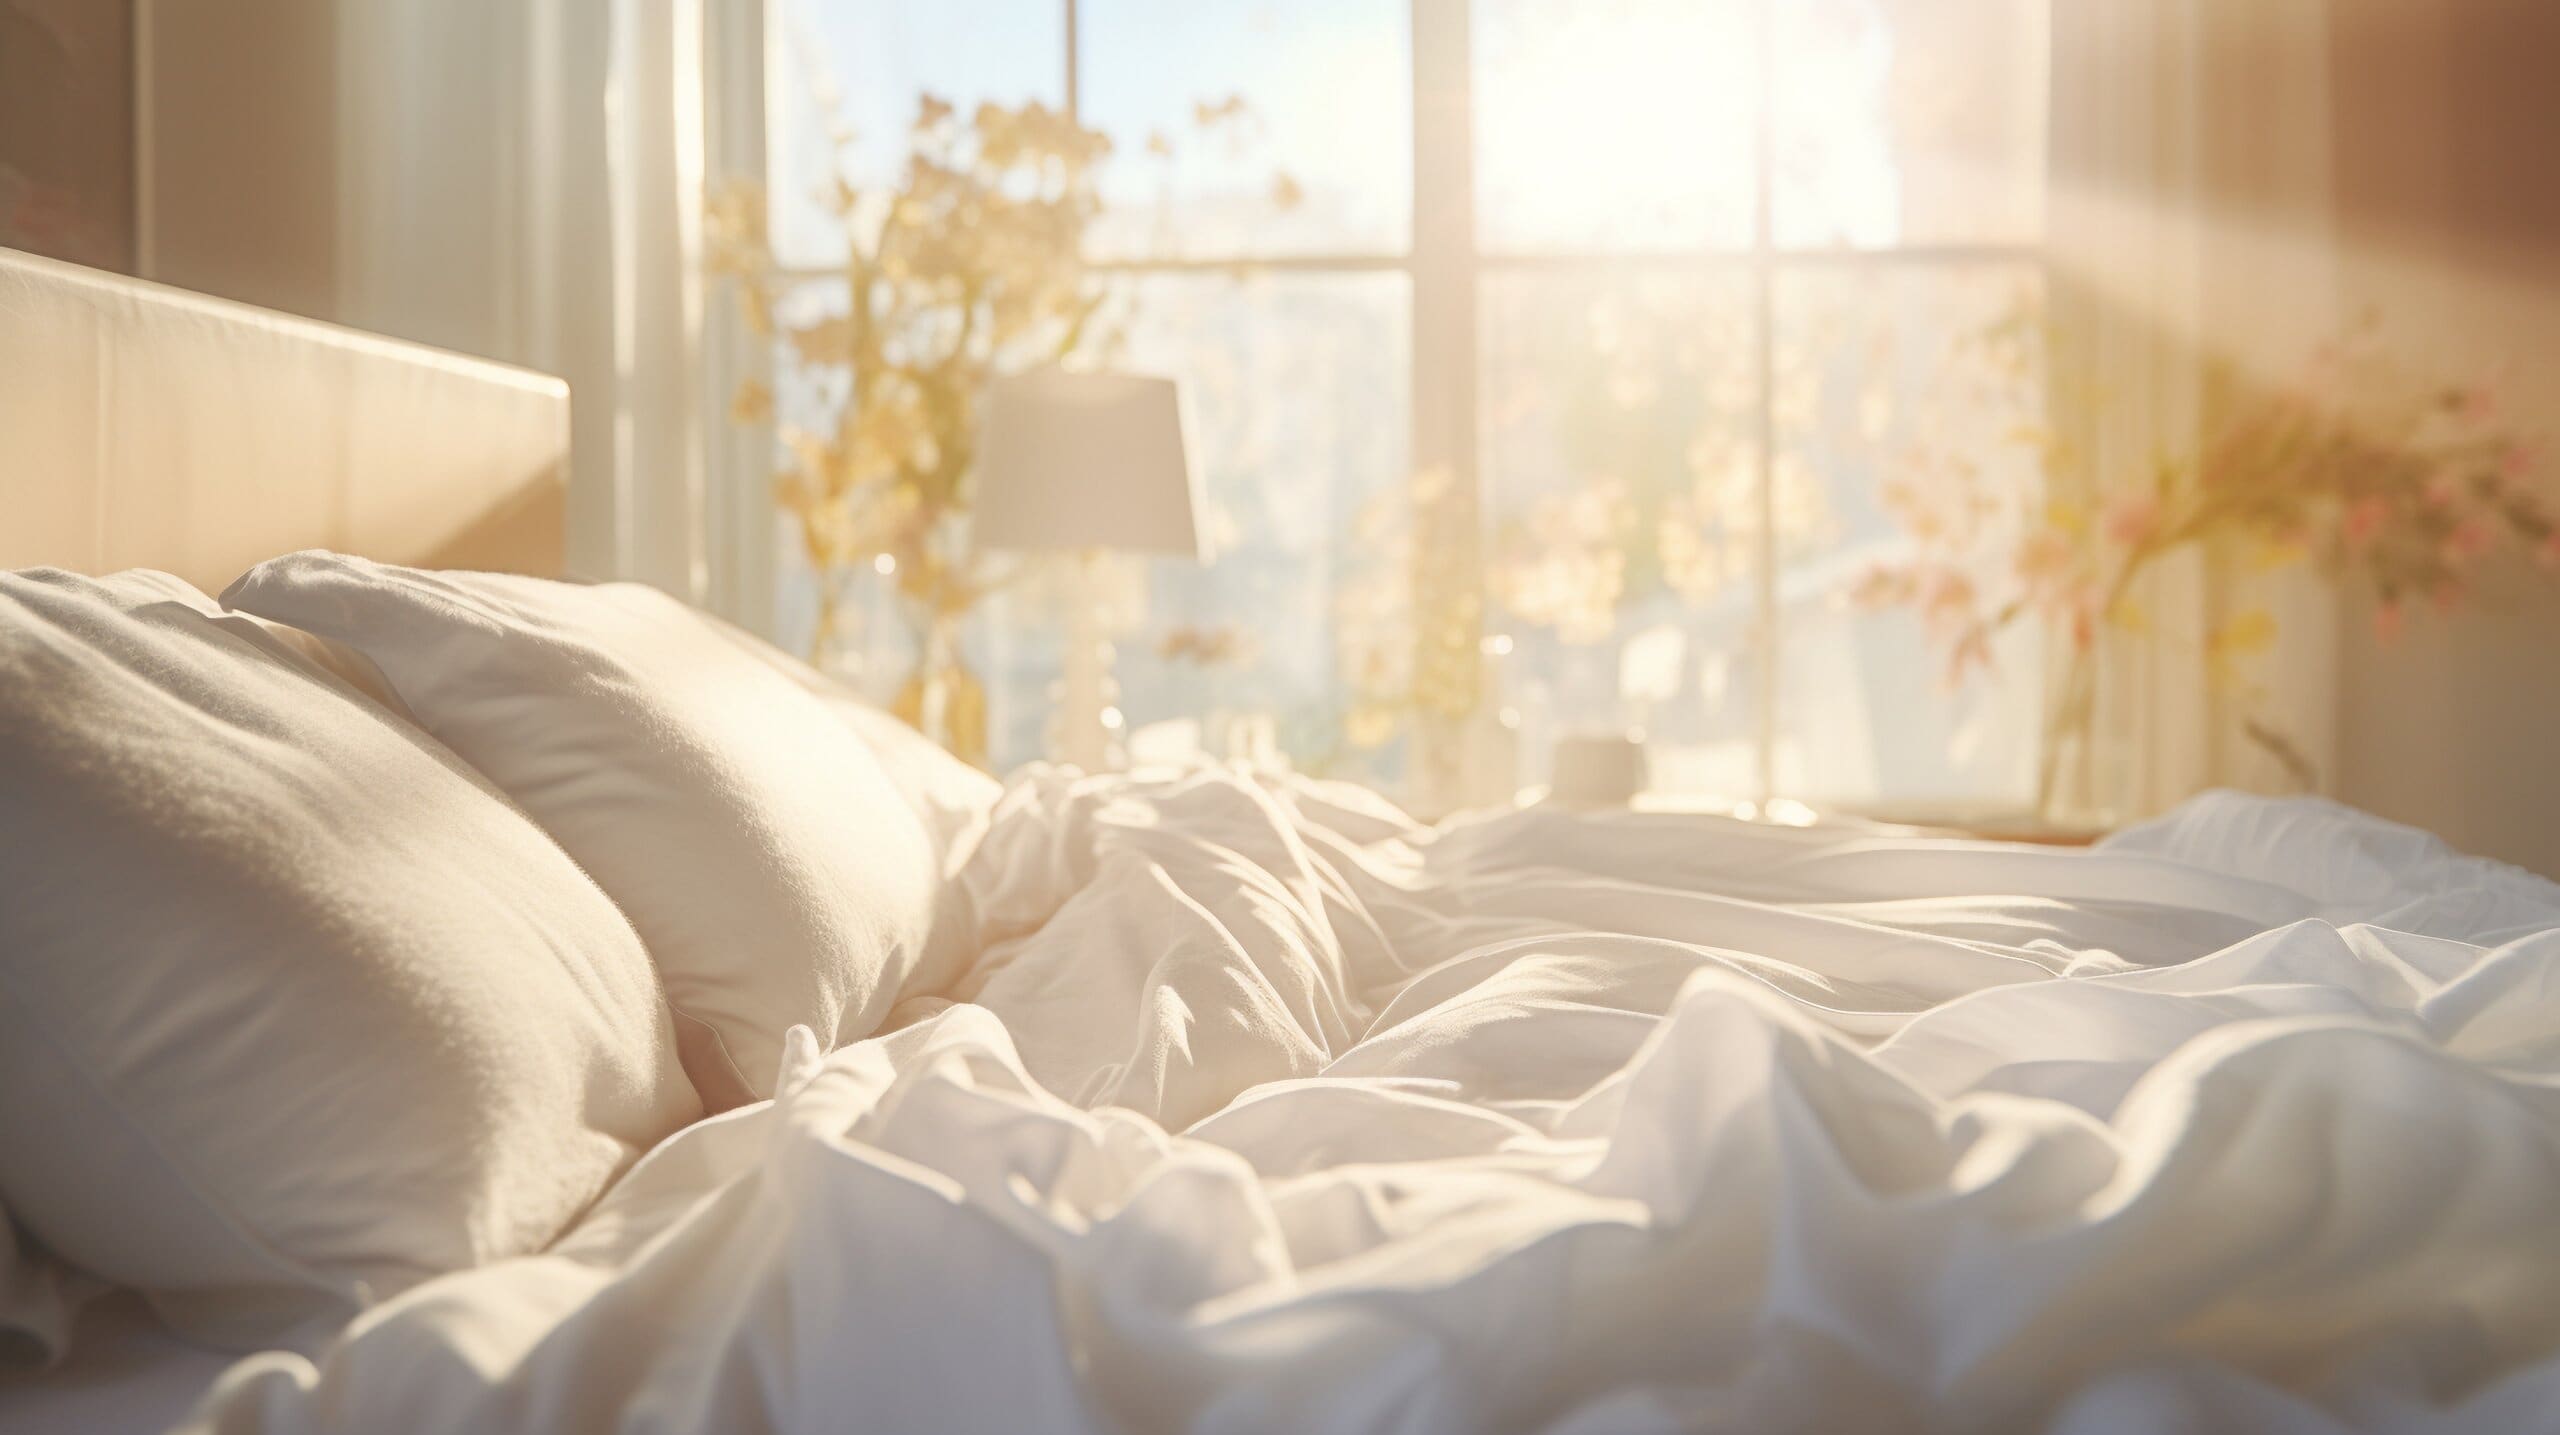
(294, 1010)
(775, 871)
(949, 796)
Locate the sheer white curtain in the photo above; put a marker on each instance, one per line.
(2192, 219)
(525, 181)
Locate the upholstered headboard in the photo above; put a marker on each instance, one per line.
(144, 426)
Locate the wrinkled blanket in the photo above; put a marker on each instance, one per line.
(1245, 1105)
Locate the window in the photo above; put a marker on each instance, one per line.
(1657, 292)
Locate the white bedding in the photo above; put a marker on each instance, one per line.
(1257, 1108)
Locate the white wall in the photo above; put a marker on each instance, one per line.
(236, 177)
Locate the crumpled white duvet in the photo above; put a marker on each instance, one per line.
(1251, 1106)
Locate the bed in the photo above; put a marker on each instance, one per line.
(838, 1086)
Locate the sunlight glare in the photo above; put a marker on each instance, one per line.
(1622, 126)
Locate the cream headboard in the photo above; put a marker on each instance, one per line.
(144, 426)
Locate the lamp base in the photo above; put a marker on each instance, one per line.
(1087, 719)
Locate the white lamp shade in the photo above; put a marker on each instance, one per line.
(1075, 460)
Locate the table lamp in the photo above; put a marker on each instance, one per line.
(1085, 463)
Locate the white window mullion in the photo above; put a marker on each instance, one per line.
(1074, 96)
(1449, 532)
(1444, 258)
(1764, 363)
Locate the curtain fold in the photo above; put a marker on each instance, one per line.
(525, 182)
(2191, 223)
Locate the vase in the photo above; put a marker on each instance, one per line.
(942, 698)
(2085, 772)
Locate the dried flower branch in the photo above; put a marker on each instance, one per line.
(2376, 476)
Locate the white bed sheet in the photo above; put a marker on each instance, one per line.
(126, 1375)
(1257, 1108)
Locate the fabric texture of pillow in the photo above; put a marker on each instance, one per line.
(953, 800)
(295, 1010)
(775, 870)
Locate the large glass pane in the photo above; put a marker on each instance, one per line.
(856, 70)
(1295, 388)
(1617, 125)
(1903, 390)
(1250, 127)
(1618, 448)
(1908, 121)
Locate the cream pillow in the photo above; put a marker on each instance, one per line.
(776, 872)
(294, 1010)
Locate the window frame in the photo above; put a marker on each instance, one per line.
(1444, 265)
